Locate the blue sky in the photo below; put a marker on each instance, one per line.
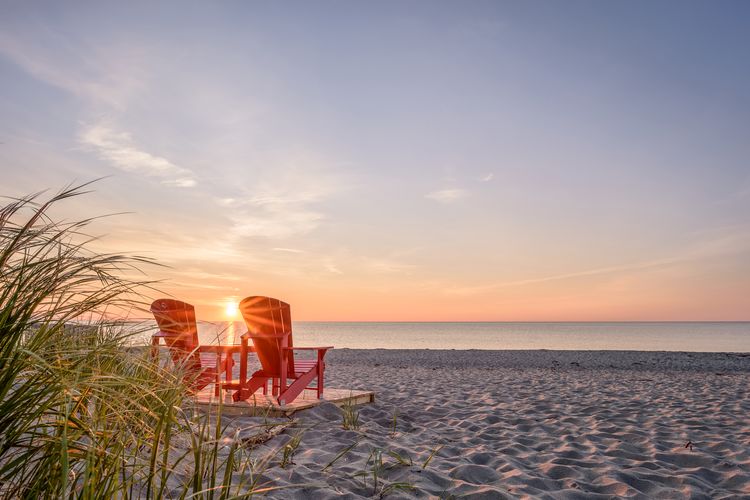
(400, 160)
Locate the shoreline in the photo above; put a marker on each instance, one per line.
(670, 337)
(548, 358)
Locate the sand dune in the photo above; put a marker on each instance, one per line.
(541, 424)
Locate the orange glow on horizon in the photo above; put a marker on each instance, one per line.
(674, 294)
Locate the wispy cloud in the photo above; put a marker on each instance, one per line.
(487, 177)
(472, 290)
(197, 274)
(227, 202)
(275, 223)
(332, 268)
(386, 266)
(288, 250)
(284, 200)
(446, 195)
(724, 241)
(119, 149)
(91, 72)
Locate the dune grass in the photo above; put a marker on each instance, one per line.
(81, 414)
(350, 415)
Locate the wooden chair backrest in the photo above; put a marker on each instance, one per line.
(269, 316)
(177, 324)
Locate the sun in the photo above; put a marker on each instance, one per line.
(231, 309)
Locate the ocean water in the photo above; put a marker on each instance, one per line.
(639, 336)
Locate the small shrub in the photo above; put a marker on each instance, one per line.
(350, 416)
(431, 456)
(290, 448)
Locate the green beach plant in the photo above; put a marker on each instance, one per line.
(373, 468)
(350, 415)
(389, 488)
(290, 448)
(431, 456)
(344, 451)
(376, 465)
(394, 423)
(84, 413)
(404, 460)
(65, 383)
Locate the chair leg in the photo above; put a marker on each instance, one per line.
(321, 372)
(290, 393)
(256, 382)
(320, 380)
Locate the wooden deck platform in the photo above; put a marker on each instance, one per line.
(260, 405)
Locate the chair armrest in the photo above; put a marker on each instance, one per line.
(248, 335)
(225, 348)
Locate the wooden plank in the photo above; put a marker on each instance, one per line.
(260, 405)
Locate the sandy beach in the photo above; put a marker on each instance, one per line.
(524, 424)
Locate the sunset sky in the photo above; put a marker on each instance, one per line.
(425, 161)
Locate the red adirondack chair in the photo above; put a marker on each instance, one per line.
(269, 325)
(178, 329)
